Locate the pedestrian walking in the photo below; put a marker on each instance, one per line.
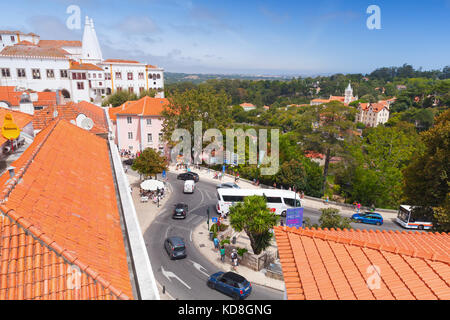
(222, 253)
(358, 207)
(216, 243)
(234, 259)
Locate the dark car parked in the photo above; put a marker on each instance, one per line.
(128, 162)
(231, 284)
(180, 211)
(188, 176)
(175, 248)
(228, 185)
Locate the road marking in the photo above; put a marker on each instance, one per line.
(190, 236)
(170, 274)
(199, 267)
(201, 201)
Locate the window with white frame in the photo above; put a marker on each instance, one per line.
(149, 137)
(130, 135)
(129, 120)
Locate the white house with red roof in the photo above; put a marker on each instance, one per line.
(346, 99)
(373, 114)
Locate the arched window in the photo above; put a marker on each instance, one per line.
(158, 76)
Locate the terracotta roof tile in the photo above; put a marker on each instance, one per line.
(34, 51)
(65, 223)
(344, 264)
(145, 106)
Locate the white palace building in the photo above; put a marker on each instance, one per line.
(76, 69)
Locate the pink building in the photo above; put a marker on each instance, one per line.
(138, 124)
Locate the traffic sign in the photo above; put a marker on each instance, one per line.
(10, 130)
(214, 219)
(294, 217)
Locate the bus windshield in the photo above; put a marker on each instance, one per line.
(404, 214)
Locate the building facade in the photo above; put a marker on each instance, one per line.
(373, 114)
(76, 68)
(138, 125)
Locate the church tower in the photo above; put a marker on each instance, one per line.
(348, 94)
(91, 52)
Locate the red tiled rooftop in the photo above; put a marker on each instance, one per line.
(59, 43)
(70, 111)
(62, 215)
(145, 106)
(34, 51)
(321, 264)
(84, 66)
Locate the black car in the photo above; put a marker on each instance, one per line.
(175, 248)
(128, 162)
(188, 176)
(180, 211)
(228, 185)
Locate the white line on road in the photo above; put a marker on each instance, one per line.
(169, 274)
(190, 236)
(199, 267)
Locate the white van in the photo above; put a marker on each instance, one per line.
(189, 186)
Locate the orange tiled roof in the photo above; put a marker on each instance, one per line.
(321, 100)
(145, 106)
(20, 118)
(121, 61)
(62, 215)
(59, 43)
(337, 98)
(113, 111)
(12, 96)
(24, 43)
(34, 51)
(42, 118)
(246, 104)
(84, 66)
(339, 264)
(96, 113)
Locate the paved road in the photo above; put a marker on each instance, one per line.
(186, 279)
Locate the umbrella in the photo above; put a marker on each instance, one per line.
(152, 185)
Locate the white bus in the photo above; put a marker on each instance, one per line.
(406, 221)
(278, 201)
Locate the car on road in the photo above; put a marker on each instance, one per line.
(228, 185)
(368, 217)
(231, 284)
(175, 248)
(180, 211)
(128, 162)
(188, 176)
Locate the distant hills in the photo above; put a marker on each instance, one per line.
(172, 77)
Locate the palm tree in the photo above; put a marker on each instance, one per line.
(255, 219)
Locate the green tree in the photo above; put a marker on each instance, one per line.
(199, 104)
(292, 174)
(119, 98)
(149, 163)
(151, 93)
(426, 179)
(253, 217)
(325, 127)
(330, 218)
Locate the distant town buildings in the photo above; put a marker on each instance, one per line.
(248, 106)
(74, 68)
(346, 99)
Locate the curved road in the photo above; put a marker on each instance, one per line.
(185, 279)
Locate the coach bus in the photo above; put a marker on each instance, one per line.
(405, 219)
(278, 201)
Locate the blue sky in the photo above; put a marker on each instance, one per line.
(255, 37)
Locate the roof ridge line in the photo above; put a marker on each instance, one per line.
(414, 253)
(52, 245)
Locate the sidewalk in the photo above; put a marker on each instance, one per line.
(200, 239)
